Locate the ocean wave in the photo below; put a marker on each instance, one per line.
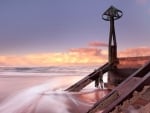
(47, 71)
(50, 97)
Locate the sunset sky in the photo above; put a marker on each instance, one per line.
(57, 32)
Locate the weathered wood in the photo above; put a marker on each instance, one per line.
(90, 78)
(104, 102)
(132, 62)
(134, 82)
(127, 92)
(128, 72)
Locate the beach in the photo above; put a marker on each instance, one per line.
(10, 85)
(34, 94)
(37, 93)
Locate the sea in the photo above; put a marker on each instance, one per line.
(47, 71)
(50, 96)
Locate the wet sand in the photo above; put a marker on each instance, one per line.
(38, 99)
(11, 85)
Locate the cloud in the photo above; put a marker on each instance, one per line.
(74, 56)
(89, 55)
(133, 52)
(98, 44)
(86, 55)
(87, 51)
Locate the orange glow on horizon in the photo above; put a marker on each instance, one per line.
(49, 59)
(79, 56)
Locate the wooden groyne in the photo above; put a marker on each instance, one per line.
(134, 82)
(125, 75)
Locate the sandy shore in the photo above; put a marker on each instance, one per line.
(39, 99)
(11, 85)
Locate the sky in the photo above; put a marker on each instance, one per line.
(58, 32)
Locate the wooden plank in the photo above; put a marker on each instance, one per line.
(90, 78)
(133, 62)
(128, 91)
(134, 82)
(104, 102)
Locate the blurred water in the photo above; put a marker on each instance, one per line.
(50, 97)
(47, 71)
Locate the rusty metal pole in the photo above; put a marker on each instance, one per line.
(112, 14)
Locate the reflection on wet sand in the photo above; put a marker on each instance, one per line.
(50, 98)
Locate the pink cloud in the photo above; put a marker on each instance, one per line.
(92, 55)
(98, 44)
(73, 56)
(87, 51)
(133, 52)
